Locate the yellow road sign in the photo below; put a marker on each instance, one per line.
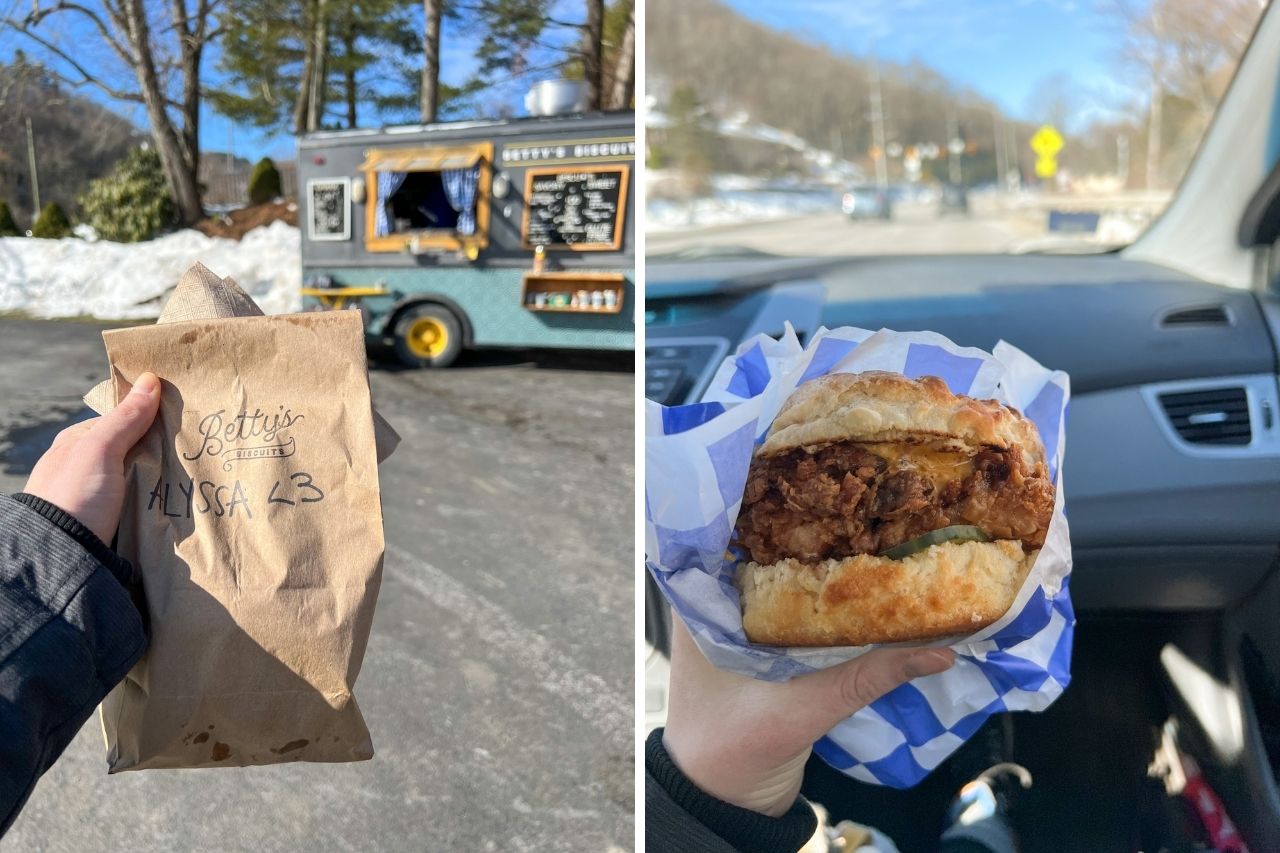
(1046, 167)
(1046, 142)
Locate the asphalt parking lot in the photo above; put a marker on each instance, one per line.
(498, 682)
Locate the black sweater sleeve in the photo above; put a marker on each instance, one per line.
(679, 816)
(68, 633)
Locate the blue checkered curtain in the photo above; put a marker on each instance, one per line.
(388, 183)
(460, 186)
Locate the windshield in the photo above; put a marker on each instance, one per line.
(926, 126)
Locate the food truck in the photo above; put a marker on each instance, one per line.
(508, 233)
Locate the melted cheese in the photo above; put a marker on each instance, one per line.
(940, 464)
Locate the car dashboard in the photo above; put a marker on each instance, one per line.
(1172, 470)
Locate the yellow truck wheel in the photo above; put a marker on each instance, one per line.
(428, 336)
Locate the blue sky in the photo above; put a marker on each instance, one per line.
(1001, 48)
(217, 133)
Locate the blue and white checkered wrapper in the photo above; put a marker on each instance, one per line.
(696, 460)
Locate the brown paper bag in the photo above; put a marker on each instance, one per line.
(252, 511)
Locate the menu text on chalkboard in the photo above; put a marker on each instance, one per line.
(575, 208)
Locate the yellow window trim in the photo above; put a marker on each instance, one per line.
(420, 159)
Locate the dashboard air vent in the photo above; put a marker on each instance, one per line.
(1210, 416)
(1201, 315)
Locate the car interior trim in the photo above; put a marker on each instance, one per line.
(1261, 391)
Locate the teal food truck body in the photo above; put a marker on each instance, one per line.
(512, 233)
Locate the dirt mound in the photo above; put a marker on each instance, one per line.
(237, 223)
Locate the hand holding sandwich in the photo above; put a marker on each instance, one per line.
(879, 509)
(745, 741)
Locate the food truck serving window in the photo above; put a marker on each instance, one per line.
(434, 198)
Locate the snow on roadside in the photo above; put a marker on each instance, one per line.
(733, 199)
(729, 207)
(126, 281)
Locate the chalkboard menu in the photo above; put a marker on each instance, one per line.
(576, 208)
(330, 209)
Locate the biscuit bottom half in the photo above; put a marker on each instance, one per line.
(947, 589)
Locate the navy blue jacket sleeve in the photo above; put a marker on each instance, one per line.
(678, 816)
(69, 631)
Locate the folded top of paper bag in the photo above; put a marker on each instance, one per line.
(202, 295)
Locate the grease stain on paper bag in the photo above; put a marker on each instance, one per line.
(253, 515)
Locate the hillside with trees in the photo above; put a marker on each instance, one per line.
(732, 64)
(1178, 55)
(75, 140)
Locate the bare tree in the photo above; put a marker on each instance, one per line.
(308, 104)
(164, 61)
(1055, 99)
(316, 96)
(431, 12)
(520, 39)
(350, 91)
(592, 54)
(1186, 49)
(624, 67)
(1204, 41)
(302, 98)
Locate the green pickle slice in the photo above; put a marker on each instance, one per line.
(954, 533)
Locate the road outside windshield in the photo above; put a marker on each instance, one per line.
(925, 127)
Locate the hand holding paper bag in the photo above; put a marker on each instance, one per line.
(83, 472)
(252, 512)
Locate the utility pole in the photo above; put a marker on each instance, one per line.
(1156, 117)
(1154, 130)
(877, 125)
(1012, 162)
(35, 175)
(997, 139)
(1122, 159)
(953, 143)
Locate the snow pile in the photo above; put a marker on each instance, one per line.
(728, 207)
(127, 281)
(1120, 228)
(732, 199)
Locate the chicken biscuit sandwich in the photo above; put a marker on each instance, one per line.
(883, 509)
